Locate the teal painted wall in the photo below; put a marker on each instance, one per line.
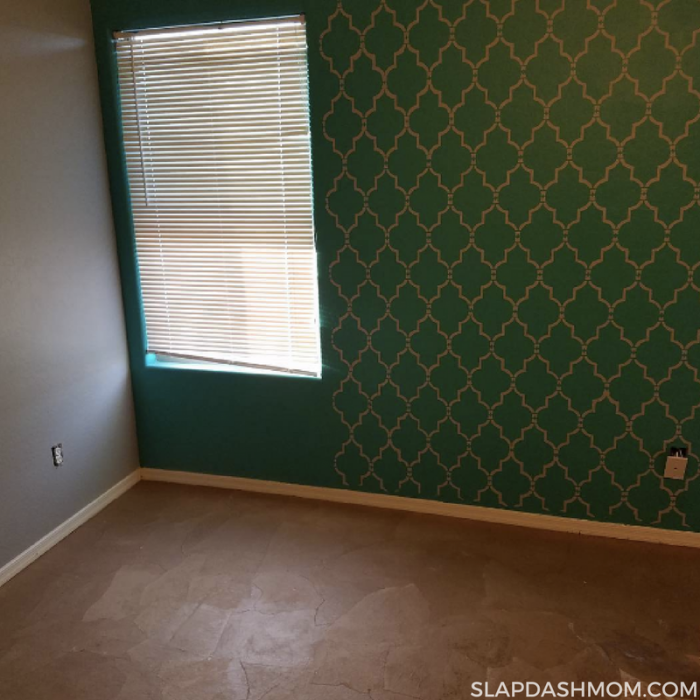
(508, 219)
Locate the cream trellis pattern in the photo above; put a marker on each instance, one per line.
(519, 274)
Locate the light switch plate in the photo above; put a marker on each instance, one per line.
(675, 467)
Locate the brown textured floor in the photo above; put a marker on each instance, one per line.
(183, 593)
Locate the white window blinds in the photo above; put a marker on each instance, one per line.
(216, 135)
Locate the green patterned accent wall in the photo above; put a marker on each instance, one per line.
(511, 192)
(507, 207)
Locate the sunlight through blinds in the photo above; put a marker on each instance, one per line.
(217, 143)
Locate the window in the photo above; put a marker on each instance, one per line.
(216, 135)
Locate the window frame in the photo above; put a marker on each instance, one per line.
(134, 15)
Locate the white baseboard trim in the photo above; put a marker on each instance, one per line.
(416, 505)
(23, 560)
(374, 500)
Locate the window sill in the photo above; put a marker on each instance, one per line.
(154, 362)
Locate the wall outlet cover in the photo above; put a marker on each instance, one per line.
(675, 467)
(57, 453)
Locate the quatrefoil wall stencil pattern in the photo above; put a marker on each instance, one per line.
(511, 195)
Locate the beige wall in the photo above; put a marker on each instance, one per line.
(63, 365)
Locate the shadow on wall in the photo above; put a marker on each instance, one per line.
(20, 22)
